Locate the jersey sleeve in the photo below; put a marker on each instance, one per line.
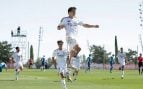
(63, 21)
(79, 22)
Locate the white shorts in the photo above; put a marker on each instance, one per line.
(18, 65)
(122, 63)
(62, 69)
(71, 42)
(76, 63)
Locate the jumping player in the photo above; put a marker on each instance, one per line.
(71, 23)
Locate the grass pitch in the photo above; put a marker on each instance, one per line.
(96, 79)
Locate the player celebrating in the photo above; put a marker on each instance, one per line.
(122, 59)
(17, 56)
(70, 24)
(140, 64)
(60, 60)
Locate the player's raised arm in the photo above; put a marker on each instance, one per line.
(90, 26)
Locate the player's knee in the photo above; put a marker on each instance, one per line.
(73, 52)
(77, 47)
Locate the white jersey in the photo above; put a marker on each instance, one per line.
(71, 26)
(121, 58)
(17, 57)
(61, 57)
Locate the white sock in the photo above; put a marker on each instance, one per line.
(122, 73)
(64, 84)
(17, 74)
(75, 75)
(67, 75)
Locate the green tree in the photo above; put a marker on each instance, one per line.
(99, 54)
(38, 63)
(31, 52)
(5, 51)
(132, 55)
(116, 49)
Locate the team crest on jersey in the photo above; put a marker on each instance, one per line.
(60, 53)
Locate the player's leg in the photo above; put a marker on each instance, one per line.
(75, 74)
(68, 75)
(21, 67)
(76, 67)
(44, 67)
(17, 70)
(62, 71)
(88, 66)
(122, 69)
(111, 65)
(0, 68)
(73, 48)
(77, 49)
(74, 52)
(142, 68)
(139, 65)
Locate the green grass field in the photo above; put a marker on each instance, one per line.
(96, 79)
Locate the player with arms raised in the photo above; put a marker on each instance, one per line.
(71, 23)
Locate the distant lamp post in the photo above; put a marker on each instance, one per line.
(18, 30)
(12, 33)
(141, 14)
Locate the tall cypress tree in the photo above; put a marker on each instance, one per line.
(31, 52)
(116, 49)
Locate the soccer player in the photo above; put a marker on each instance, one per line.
(3, 65)
(43, 62)
(17, 56)
(71, 23)
(59, 59)
(122, 59)
(89, 61)
(111, 62)
(140, 64)
(30, 63)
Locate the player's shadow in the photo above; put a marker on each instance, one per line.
(7, 80)
(56, 81)
(108, 78)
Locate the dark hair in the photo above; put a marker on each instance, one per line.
(60, 41)
(17, 48)
(71, 9)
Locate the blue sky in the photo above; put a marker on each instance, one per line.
(115, 17)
